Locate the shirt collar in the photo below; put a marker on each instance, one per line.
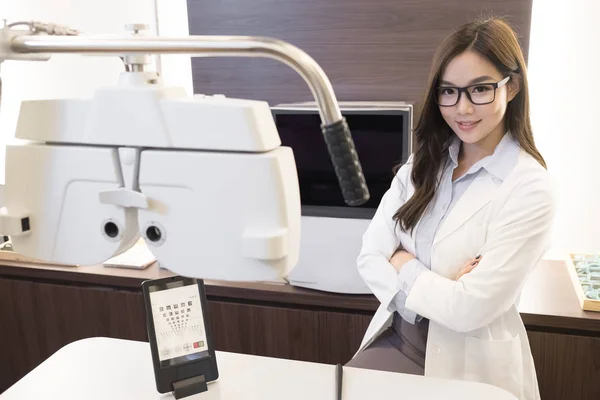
(454, 149)
(499, 164)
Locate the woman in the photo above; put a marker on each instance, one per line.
(463, 224)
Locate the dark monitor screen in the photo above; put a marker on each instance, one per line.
(379, 141)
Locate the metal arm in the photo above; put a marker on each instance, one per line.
(198, 46)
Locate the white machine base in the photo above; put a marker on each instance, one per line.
(328, 251)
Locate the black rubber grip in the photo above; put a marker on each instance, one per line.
(345, 162)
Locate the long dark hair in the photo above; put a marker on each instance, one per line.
(495, 40)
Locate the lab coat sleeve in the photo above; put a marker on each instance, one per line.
(406, 279)
(518, 237)
(379, 242)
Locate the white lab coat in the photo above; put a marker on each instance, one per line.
(475, 330)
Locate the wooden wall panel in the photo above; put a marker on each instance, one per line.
(370, 49)
(264, 331)
(18, 331)
(567, 366)
(37, 319)
(340, 335)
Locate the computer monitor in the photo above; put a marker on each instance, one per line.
(382, 136)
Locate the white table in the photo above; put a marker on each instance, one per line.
(112, 369)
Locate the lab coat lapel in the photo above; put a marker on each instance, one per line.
(478, 194)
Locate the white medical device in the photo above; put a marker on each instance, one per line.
(204, 180)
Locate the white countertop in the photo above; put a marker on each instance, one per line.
(103, 368)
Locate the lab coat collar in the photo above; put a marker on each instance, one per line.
(479, 193)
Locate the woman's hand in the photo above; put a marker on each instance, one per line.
(400, 258)
(468, 267)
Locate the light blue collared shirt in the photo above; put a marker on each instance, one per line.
(499, 164)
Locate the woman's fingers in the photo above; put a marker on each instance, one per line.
(468, 267)
(471, 264)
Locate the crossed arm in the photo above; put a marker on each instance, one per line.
(518, 236)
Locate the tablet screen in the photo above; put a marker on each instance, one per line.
(179, 325)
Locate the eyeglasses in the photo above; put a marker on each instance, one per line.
(479, 94)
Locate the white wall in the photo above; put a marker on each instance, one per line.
(77, 76)
(172, 20)
(66, 75)
(564, 62)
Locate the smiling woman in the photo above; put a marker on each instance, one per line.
(480, 52)
(462, 225)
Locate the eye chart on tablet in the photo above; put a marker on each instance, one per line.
(178, 322)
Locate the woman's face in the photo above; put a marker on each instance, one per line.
(475, 123)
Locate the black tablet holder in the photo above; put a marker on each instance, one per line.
(190, 386)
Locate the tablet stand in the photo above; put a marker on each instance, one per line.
(190, 386)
